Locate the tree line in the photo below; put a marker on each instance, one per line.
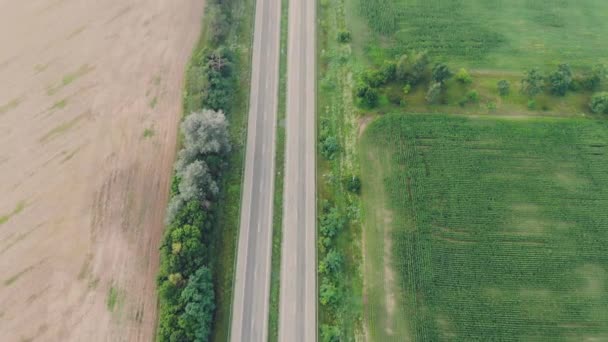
(412, 70)
(185, 277)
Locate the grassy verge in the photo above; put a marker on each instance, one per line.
(240, 39)
(277, 220)
(340, 278)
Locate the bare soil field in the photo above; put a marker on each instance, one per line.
(90, 100)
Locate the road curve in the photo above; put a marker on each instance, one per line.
(298, 299)
(252, 283)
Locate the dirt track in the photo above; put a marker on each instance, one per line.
(90, 97)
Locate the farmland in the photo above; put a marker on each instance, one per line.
(498, 227)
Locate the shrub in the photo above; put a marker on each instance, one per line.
(599, 103)
(441, 73)
(330, 333)
(406, 89)
(560, 80)
(388, 71)
(532, 83)
(504, 87)
(473, 96)
(462, 76)
(433, 94)
(491, 106)
(367, 95)
(344, 36)
(592, 80)
(328, 293)
(353, 184)
(531, 104)
(329, 147)
(411, 68)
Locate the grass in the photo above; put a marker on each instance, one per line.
(62, 128)
(115, 299)
(69, 78)
(12, 104)
(59, 104)
(14, 278)
(18, 208)
(498, 225)
(492, 34)
(277, 220)
(148, 133)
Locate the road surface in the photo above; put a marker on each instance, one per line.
(298, 299)
(251, 292)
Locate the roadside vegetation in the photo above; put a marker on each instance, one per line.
(497, 225)
(197, 252)
(339, 229)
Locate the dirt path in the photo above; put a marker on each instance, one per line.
(90, 97)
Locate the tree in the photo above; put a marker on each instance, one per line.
(593, 79)
(328, 293)
(462, 76)
(432, 95)
(411, 68)
(205, 133)
(329, 147)
(599, 103)
(532, 83)
(367, 94)
(330, 333)
(198, 300)
(441, 73)
(504, 87)
(560, 80)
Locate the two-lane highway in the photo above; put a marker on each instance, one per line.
(252, 283)
(297, 315)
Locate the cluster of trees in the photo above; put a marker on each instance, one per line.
(332, 222)
(185, 282)
(185, 278)
(563, 79)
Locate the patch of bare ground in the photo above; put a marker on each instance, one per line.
(364, 121)
(95, 191)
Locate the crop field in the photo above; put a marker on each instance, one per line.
(495, 34)
(498, 227)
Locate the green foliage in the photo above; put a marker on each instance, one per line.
(344, 36)
(532, 83)
(441, 73)
(599, 103)
(532, 104)
(412, 68)
(560, 80)
(367, 95)
(593, 79)
(329, 147)
(473, 96)
(198, 300)
(328, 293)
(463, 77)
(330, 333)
(332, 263)
(434, 93)
(498, 225)
(353, 184)
(504, 87)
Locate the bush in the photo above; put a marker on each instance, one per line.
(329, 147)
(504, 87)
(599, 103)
(330, 333)
(344, 36)
(531, 104)
(411, 68)
(367, 95)
(592, 80)
(491, 106)
(473, 96)
(353, 184)
(462, 76)
(532, 83)
(560, 80)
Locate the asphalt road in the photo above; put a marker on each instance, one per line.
(298, 299)
(252, 284)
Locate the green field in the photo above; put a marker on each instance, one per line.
(498, 227)
(494, 34)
